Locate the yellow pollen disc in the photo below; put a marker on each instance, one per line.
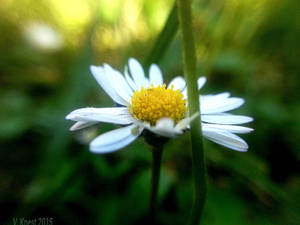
(153, 103)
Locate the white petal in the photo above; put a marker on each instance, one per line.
(155, 75)
(225, 118)
(229, 128)
(129, 79)
(165, 127)
(219, 103)
(137, 72)
(117, 115)
(178, 83)
(102, 78)
(206, 99)
(225, 138)
(115, 139)
(81, 124)
(184, 123)
(119, 83)
(201, 81)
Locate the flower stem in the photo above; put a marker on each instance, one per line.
(190, 71)
(156, 161)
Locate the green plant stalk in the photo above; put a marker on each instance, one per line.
(156, 162)
(190, 73)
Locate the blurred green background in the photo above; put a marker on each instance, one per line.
(247, 47)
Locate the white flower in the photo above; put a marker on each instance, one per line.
(43, 37)
(147, 103)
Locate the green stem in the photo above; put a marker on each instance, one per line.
(156, 161)
(190, 71)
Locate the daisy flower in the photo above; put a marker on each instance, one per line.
(149, 104)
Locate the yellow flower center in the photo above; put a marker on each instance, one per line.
(153, 103)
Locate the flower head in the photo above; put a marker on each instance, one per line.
(148, 103)
(153, 103)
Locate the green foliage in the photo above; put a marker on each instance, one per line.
(249, 48)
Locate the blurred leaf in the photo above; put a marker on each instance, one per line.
(164, 39)
(16, 114)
